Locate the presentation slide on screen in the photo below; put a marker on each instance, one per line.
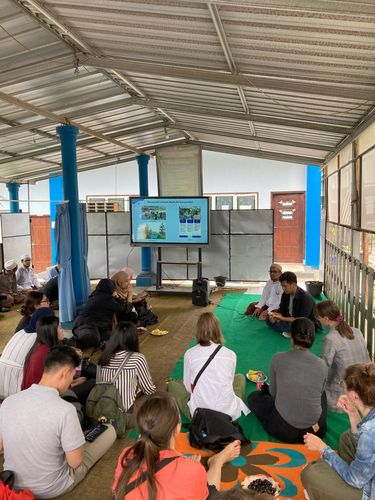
(169, 220)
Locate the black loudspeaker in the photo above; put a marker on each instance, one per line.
(200, 292)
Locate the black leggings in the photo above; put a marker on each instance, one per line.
(263, 406)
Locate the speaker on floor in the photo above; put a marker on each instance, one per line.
(200, 292)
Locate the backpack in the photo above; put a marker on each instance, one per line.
(214, 430)
(6, 488)
(104, 404)
(145, 315)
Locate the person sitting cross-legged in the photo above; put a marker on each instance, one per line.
(219, 387)
(34, 300)
(343, 346)
(170, 475)
(8, 286)
(295, 402)
(25, 275)
(134, 381)
(271, 296)
(295, 303)
(348, 474)
(41, 436)
(14, 354)
(94, 324)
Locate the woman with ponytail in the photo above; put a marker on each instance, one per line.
(343, 346)
(152, 469)
(348, 474)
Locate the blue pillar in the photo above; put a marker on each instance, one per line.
(14, 188)
(68, 137)
(56, 192)
(145, 277)
(313, 203)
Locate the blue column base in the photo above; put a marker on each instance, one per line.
(145, 278)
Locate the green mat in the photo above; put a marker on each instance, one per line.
(255, 344)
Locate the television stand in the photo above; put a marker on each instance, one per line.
(160, 263)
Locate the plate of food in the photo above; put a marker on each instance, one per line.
(158, 332)
(256, 376)
(260, 483)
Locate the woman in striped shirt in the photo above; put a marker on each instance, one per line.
(135, 378)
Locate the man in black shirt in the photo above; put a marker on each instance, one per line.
(295, 303)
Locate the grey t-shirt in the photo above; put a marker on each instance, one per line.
(297, 382)
(338, 353)
(37, 428)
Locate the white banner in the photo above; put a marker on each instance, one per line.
(179, 170)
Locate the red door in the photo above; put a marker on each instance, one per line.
(41, 242)
(289, 226)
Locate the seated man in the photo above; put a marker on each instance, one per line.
(270, 299)
(8, 286)
(295, 303)
(25, 275)
(53, 272)
(51, 289)
(41, 436)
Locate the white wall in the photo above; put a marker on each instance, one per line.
(222, 173)
(118, 179)
(38, 191)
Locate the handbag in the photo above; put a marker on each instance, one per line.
(6, 488)
(214, 430)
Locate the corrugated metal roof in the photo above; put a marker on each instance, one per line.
(278, 79)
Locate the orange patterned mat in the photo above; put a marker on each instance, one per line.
(283, 462)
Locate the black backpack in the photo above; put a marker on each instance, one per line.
(145, 315)
(214, 430)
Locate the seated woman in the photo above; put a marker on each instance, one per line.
(137, 309)
(94, 324)
(170, 475)
(350, 473)
(343, 346)
(295, 402)
(15, 352)
(218, 387)
(49, 334)
(135, 378)
(33, 301)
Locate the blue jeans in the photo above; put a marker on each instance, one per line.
(280, 326)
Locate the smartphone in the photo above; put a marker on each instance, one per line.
(95, 432)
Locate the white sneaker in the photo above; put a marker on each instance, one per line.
(286, 335)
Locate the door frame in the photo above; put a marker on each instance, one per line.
(272, 193)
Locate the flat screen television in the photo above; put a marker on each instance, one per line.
(161, 221)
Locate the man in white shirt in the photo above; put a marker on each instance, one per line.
(41, 436)
(271, 296)
(25, 275)
(8, 286)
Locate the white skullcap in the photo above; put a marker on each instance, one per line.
(25, 256)
(10, 265)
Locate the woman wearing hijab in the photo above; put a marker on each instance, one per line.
(94, 324)
(13, 357)
(137, 310)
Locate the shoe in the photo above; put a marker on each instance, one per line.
(286, 335)
(5, 309)
(141, 330)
